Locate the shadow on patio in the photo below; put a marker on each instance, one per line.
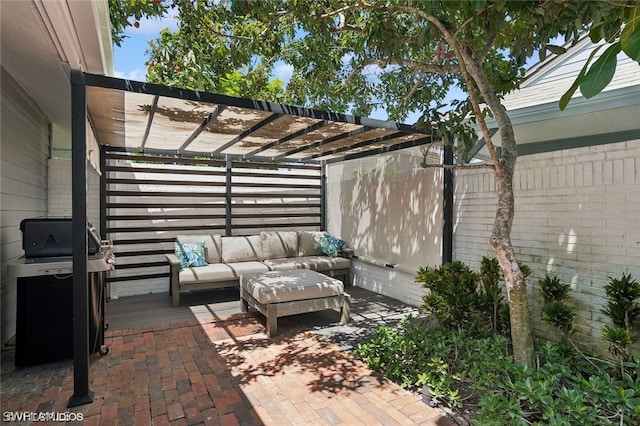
(206, 363)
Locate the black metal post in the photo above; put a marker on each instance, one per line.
(323, 197)
(103, 192)
(228, 198)
(81, 392)
(103, 217)
(447, 211)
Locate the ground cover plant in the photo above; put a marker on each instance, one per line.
(472, 371)
(467, 362)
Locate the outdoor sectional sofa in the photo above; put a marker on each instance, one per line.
(226, 259)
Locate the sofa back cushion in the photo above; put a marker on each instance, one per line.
(307, 241)
(241, 249)
(279, 244)
(212, 245)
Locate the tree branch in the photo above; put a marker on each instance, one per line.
(487, 47)
(413, 90)
(336, 12)
(346, 27)
(210, 28)
(463, 60)
(424, 165)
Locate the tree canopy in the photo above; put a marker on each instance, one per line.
(356, 55)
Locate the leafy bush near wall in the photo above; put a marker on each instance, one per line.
(461, 297)
(467, 365)
(623, 309)
(452, 293)
(471, 370)
(555, 311)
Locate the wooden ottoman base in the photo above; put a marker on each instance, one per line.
(281, 293)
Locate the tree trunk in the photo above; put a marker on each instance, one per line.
(501, 233)
(514, 278)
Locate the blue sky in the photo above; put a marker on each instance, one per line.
(130, 58)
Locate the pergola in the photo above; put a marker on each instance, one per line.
(138, 117)
(143, 117)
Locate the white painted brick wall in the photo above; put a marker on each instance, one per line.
(59, 197)
(577, 217)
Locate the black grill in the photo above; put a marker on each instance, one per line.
(47, 237)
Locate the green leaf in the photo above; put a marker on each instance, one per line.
(558, 50)
(630, 36)
(601, 72)
(597, 32)
(564, 100)
(478, 5)
(542, 54)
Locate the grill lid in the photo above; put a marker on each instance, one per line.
(46, 237)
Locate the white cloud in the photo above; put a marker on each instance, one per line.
(283, 71)
(137, 74)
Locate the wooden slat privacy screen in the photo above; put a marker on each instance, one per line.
(151, 199)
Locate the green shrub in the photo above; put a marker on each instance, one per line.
(416, 355)
(624, 310)
(465, 367)
(466, 364)
(555, 311)
(558, 314)
(452, 293)
(552, 289)
(622, 307)
(619, 339)
(492, 297)
(459, 297)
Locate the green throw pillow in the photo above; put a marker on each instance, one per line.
(329, 245)
(190, 254)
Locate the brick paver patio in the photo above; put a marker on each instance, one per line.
(221, 372)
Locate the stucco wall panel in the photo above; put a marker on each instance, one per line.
(389, 209)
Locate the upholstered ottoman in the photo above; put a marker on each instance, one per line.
(281, 293)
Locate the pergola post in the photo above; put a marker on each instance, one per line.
(447, 206)
(81, 392)
(103, 192)
(323, 196)
(228, 197)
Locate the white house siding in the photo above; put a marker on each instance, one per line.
(24, 153)
(557, 74)
(576, 217)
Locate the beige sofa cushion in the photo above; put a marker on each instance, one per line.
(279, 244)
(212, 273)
(241, 249)
(316, 263)
(286, 286)
(307, 240)
(212, 245)
(252, 267)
